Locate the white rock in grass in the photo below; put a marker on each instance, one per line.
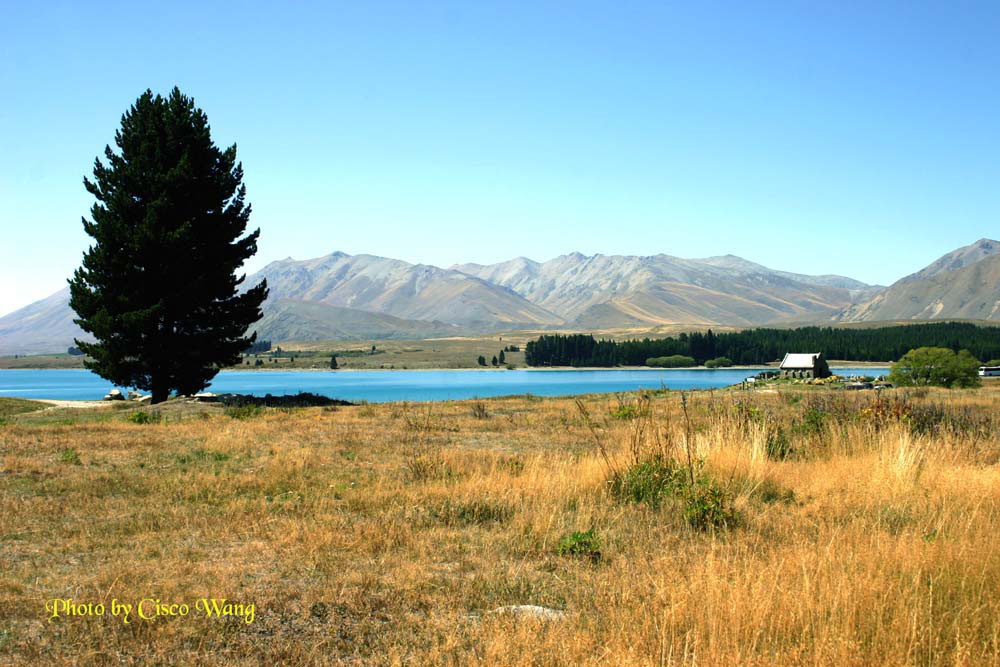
(530, 611)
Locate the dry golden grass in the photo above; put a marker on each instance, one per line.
(386, 534)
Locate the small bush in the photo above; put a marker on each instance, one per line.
(672, 361)
(71, 456)
(707, 506)
(428, 466)
(650, 482)
(704, 504)
(200, 454)
(583, 544)
(626, 412)
(719, 362)
(779, 446)
(471, 513)
(248, 411)
(479, 410)
(769, 491)
(813, 423)
(143, 417)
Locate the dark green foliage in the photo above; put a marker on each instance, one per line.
(992, 362)
(74, 351)
(333, 362)
(481, 360)
(703, 502)
(143, 417)
(584, 544)
(719, 362)
(158, 287)
(673, 361)
(938, 366)
(813, 423)
(70, 456)
(248, 411)
(502, 358)
(626, 412)
(494, 361)
(707, 506)
(258, 347)
(650, 482)
(758, 346)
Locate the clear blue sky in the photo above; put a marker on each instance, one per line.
(857, 138)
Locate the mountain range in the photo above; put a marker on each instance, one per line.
(363, 297)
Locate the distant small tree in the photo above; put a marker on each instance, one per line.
(333, 362)
(502, 357)
(937, 366)
(74, 351)
(481, 360)
(719, 362)
(494, 360)
(992, 362)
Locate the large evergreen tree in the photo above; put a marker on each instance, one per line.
(158, 287)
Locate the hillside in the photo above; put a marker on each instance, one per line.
(354, 297)
(287, 319)
(624, 290)
(410, 291)
(971, 292)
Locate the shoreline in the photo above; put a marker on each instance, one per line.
(833, 366)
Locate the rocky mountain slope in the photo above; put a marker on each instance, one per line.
(346, 297)
(964, 284)
(616, 290)
(411, 291)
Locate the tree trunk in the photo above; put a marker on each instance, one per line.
(160, 393)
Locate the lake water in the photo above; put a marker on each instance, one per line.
(383, 386)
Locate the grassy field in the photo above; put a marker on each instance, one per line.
(789, 528)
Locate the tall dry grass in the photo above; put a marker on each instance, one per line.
(865, 532)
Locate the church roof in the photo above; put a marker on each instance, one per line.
(800, 361)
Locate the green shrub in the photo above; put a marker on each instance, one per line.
(650, 482)
(248, 411)
(673, 361)
(813, 422)
(71, 456)
(708, 506)
(938, 366)
(719, 362)
(584, 544)
(626, 412)
(143, 417)
(705, 505)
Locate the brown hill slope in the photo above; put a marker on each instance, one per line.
(970, 292)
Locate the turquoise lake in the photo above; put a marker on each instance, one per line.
(386, 386)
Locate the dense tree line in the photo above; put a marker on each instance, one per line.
(258, 347)
(758, 346)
